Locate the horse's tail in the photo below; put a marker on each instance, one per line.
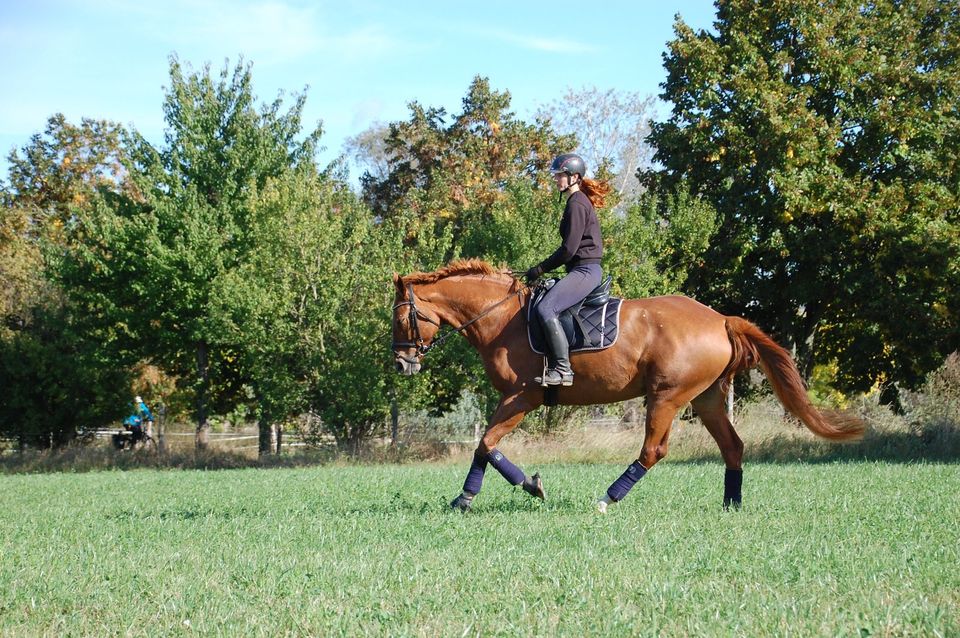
(751, 346)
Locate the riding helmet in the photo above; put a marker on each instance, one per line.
(569, 163)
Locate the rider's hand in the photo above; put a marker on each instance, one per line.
(533, 274)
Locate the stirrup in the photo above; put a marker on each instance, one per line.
(554, 377)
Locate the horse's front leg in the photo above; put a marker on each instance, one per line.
(508, 414)
(660, 415)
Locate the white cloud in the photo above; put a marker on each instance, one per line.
(366, 112)
(367, 42)
(276, 33)
(537, 43)
(266, 31)
(271, 32)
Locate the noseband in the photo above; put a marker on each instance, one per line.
(422, 347)
(418, 343)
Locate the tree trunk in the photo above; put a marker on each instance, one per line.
(805, 348)
(203, 382)
(267, 437)
(394, 421)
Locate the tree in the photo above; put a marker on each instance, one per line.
(50, 183)
(368, 149)
(154, 263)
(21, 262)
(480, 185)
(56, 381)
(60, 169)
(824, 135)
(310, 308)
(657, 242)
(55, 366)
(611, 127)
(444, 171)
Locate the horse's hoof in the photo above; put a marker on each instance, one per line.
(534, 487)
(729, 504)
(461, 504)
(601, 506)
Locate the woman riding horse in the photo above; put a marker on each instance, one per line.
(581, 248)
(671, 350)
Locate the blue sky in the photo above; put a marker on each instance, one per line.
(363, 60)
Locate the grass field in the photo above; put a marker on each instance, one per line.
(820, 549)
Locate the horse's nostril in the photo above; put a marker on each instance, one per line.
(399, 367)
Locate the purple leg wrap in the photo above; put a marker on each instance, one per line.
(627, 480)
(475, 476)
(508, 470)
(732, 482)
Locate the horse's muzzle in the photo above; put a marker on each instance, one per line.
(407, 367)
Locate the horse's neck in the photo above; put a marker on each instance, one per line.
(464, 299)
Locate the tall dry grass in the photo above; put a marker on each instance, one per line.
(927, 429)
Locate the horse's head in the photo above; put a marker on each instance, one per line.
(460, 294)
(415, 323)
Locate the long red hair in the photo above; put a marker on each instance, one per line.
(595, 190)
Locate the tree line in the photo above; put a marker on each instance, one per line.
(806, 178)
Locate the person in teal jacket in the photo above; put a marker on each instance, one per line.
(141, 410)
(141, 417)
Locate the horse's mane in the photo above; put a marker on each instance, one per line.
(457, 267)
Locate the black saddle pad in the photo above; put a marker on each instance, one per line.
(592, 328)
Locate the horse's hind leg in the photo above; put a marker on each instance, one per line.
(711, 408)
(506, 417)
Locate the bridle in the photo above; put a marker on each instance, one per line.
(421, 346)
(418, 343)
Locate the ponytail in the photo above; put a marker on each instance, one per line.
(595, 190)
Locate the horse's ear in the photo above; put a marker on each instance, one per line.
(398, 282)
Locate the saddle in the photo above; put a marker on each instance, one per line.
(591, 324)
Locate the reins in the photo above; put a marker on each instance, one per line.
(418, 342)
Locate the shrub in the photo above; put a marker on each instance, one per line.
(933, 413)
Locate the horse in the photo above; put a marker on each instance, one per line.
(672, 350)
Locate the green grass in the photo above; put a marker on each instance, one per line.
(825, 549)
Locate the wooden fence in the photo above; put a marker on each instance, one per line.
(248, 440)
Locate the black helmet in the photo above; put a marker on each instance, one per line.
(569, 163)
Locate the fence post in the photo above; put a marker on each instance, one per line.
(162, 428)
(730, 401)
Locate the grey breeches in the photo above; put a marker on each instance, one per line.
(577, 284)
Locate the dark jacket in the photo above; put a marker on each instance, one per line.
(580, 241)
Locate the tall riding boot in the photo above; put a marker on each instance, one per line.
(559, 372)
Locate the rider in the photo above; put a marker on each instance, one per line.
(141, 415)
(580, 250)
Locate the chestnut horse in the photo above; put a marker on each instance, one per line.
(671, 350)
